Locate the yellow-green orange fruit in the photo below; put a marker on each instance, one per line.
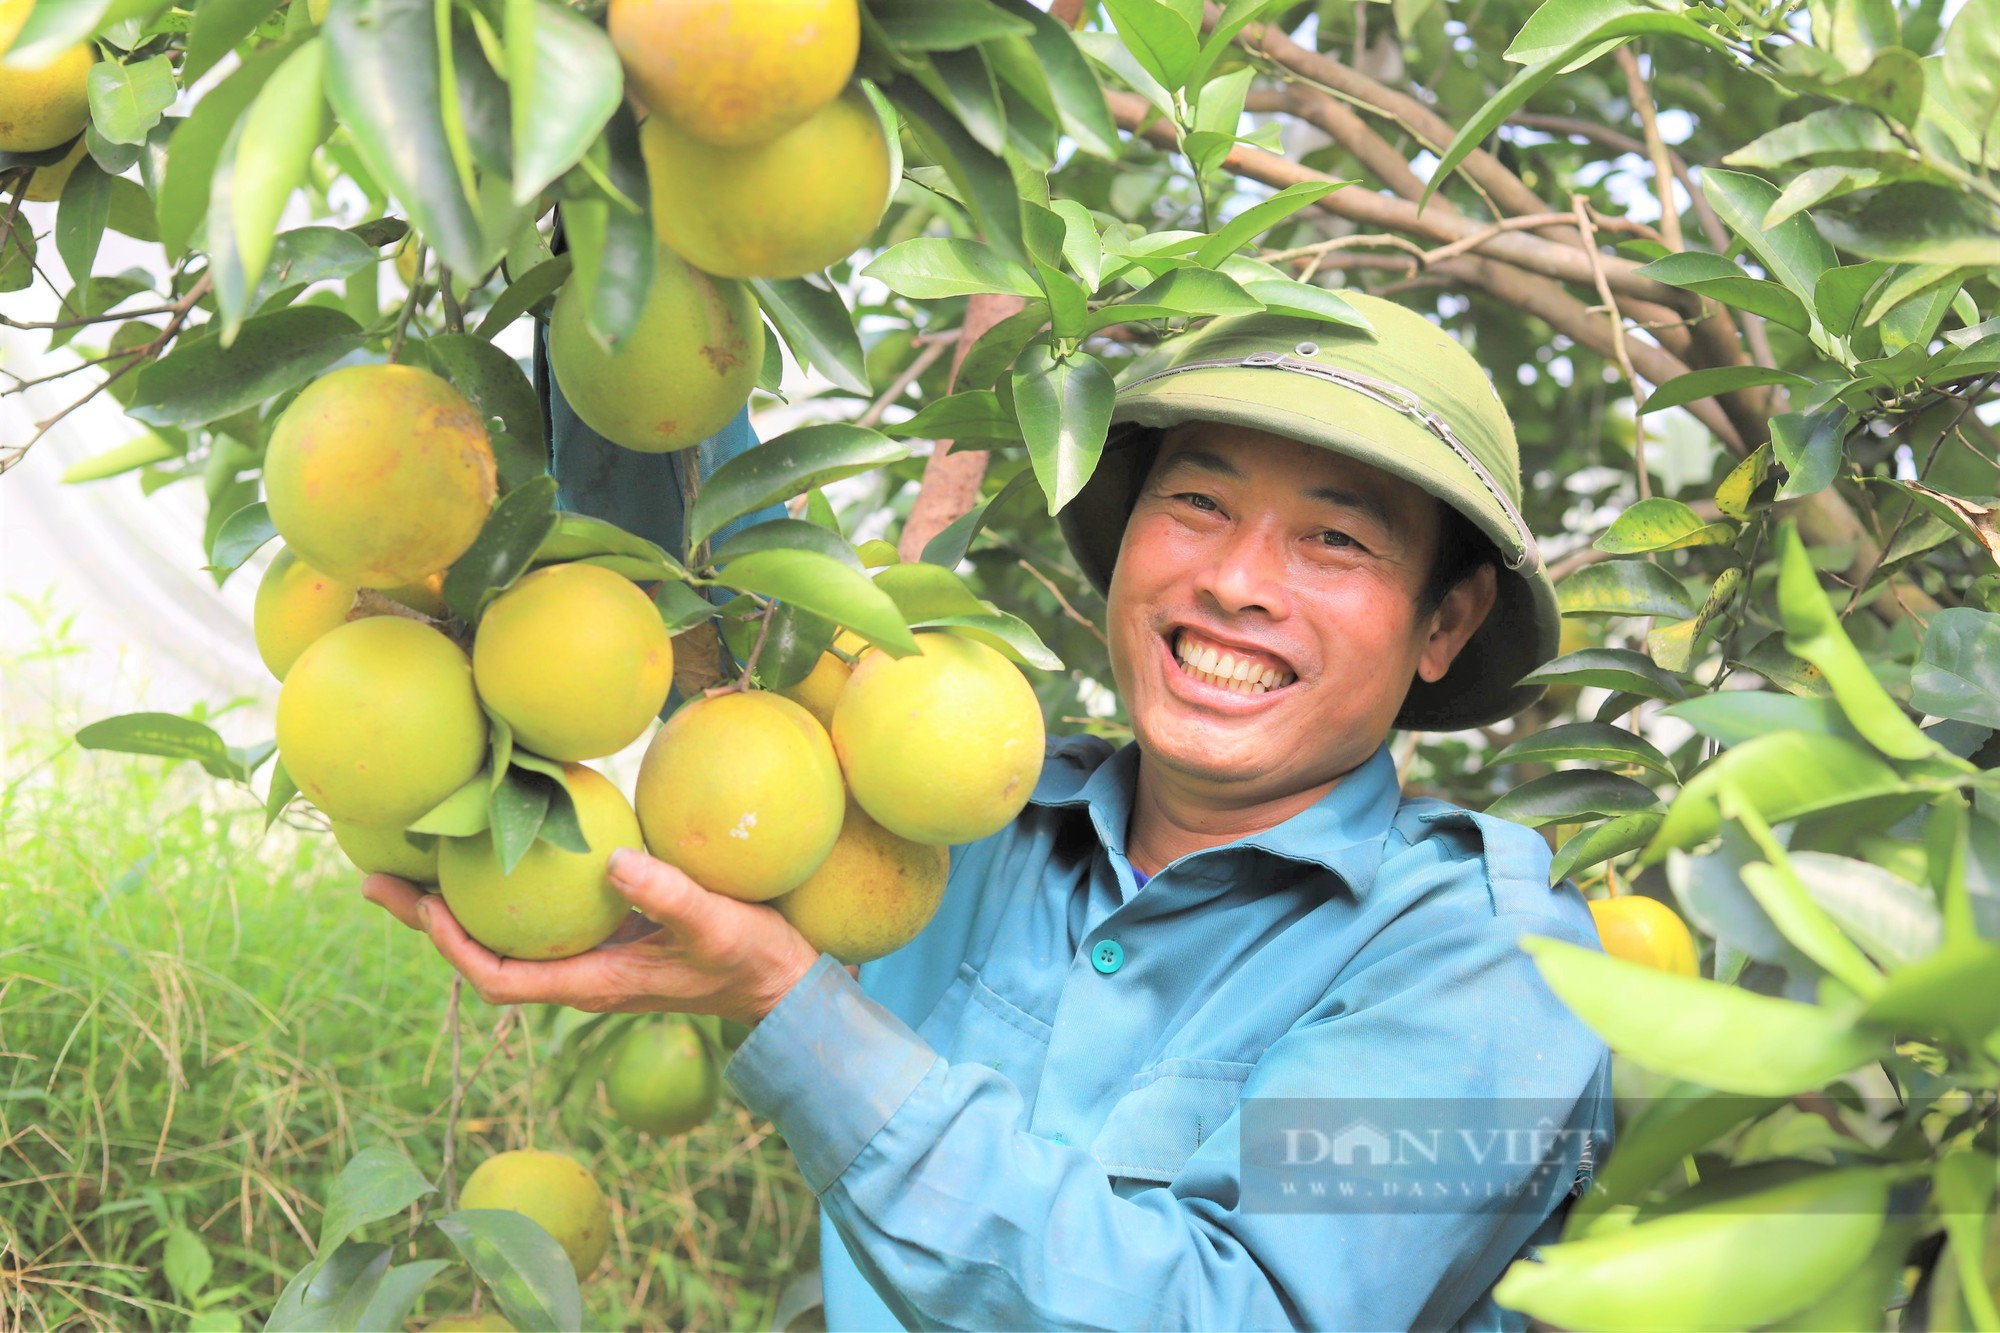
(553, 1189)
(556, 903)
(1645, 930)
(296, 604)
(686, 368)
(389, 851)
(378, 722)
(662, 1080)
(488, 1322)
(13, 14)
(380, 475)
(871, 895)
(736, 72)
(46, 185)
(576, 659)
(821, 688)
(809, 198)
(40, 108)
(940, 748)
(741, 791)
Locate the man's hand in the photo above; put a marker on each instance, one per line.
(692, 951)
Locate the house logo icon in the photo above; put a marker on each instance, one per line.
(1361, 1144)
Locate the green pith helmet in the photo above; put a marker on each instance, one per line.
(1404, 397)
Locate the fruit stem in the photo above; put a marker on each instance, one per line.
(409, 306)
(757, 648)
(454, 317)
(690, 465)
(1611, 889)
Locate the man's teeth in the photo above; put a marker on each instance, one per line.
(1219, 666)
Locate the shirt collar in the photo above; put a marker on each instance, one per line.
(1342, 832)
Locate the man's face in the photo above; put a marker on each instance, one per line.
(1263, 611)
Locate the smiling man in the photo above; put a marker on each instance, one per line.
(1222, 1032)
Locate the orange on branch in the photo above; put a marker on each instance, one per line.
(736, 72)
(1644, 930)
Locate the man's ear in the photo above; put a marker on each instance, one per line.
(1456, 620)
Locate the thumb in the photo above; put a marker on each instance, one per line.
(660, 891)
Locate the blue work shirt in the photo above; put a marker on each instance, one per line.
(1032, 1115)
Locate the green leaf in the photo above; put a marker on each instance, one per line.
(944, 25)
(197, 144)
(1260, 217)
(80, 218)
(1720, 1037)
(17, 253)
(1850, 136)
(1283, 296)
(515, 808)
(950, 545)
(1735, 716)
(186, 1263)
(1794, 911)
(1557, 25)
(143, 450)
(1611, 29)
(1699, 384)
(1235, 16)
(504, 548)
(1963, 1183)
(929, 591)
(783, 467)
(1897, 922)
(789, 534)
(312, 254)
(580, 537)
(1660, 524)
(398, 1292)
(383, 77)
(1668, 1127)
(681, 607)
(218, 26)
(537, 285)
(1762, 1257)
(280, 793)
(494, 383)
(51, 29)
(1816, 185)
(1064, 408)
(1920, 224)
(463, 813)
(1179, 293)
(997, 348)
(333, 1291)
(1159, 37)
(531, 1278)
(1082, 247)
(1715, 277)
(126, 101)
(1957, 674)
(975, 414)
(985, 182)
(263, 164)
(1573, 795)
(241, 535)
(1624, 588)
(824, 586)
(817, 325)
(1592, 742)
(203, 381)
(1812, 446)
(1782, 776)
(1079, 99)
(1954, 992)
(166, 736)
(930, 267)
(965, 82)
(563, 83)
(1006, 634)
(1971, 68)
(611, 245)
(1601, 842)
(1793, 252)
(1814, 633)
(1616, 669)
(375, 1184)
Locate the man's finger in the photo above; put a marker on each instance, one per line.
(661, 891)
(398, 897)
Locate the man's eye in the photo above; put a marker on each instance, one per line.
(1204, 503)
(1337, 539)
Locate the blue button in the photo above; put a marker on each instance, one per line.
(1107, 957)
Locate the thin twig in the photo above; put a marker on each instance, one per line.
(1063, 602)
(1320, 248)
(1656, 148)
(454, 318)
(757, 648)
(1618, 351)
(449, 1175)
(105, 318)
(933, 349)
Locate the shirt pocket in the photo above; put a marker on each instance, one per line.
(1172, 1109)
(973, 1023)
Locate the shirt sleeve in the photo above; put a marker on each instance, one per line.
(959, 1217)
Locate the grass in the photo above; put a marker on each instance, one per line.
(199, 1024)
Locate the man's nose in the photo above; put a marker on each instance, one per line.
(1248, 573)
